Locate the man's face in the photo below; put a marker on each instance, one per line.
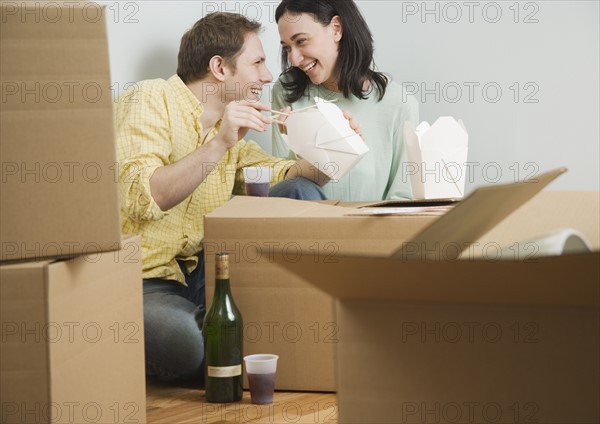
(251, 73)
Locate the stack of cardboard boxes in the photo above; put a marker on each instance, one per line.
(71, 313)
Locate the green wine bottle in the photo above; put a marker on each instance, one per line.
(223, 341)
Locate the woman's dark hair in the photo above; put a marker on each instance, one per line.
(355, 62)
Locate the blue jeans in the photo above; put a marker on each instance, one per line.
(298, 188)
(173, 317)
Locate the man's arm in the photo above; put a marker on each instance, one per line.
(172, 184)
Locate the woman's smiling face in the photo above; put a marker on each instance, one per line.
(312, 47)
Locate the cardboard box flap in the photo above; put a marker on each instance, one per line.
(275, 207)
(478, 213)
(571, 280)
(570, 210)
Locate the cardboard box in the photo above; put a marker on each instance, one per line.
(283, 313)
(476, 339)
(58, 192)
(73, 339)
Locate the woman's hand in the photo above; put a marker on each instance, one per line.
(285, 112)
(353, 123)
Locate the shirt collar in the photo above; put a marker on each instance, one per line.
(185, 96)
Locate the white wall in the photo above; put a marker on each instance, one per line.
(523, 76)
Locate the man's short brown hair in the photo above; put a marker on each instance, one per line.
(219, 33)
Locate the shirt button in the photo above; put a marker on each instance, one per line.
(189, 226)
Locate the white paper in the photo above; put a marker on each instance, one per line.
(437, 158)
(559, 242)
(400, 210)
(324, 138)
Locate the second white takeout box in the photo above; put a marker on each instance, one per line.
(437, 158)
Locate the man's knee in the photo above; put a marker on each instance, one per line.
(176, 354)
(174, 344)
(187, 361)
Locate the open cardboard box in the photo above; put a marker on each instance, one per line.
(425, 337)
(72, 346)
(285, 314)
(59, 192)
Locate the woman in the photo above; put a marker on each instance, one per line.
(328, 52)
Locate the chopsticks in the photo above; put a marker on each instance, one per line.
(277, 113)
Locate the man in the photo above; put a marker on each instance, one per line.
(180, 151)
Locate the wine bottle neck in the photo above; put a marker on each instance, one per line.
(222, 287)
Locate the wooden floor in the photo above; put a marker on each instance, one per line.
(173, 405)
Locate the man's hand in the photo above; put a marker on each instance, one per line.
(238, 118)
